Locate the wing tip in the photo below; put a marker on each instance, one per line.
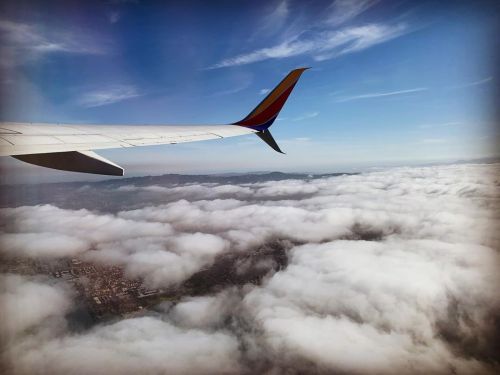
(263, 116)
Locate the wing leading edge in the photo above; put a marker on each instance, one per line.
(69, 147)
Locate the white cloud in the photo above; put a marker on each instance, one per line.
(205, 312)
(437, 125)
(114, 17)
(28, 302)
(151, 250)
(379, 94)
(394, 271)
(42, 245)
(194, 191)
(124, 1)
(72, 232)
(306, 116)
(23, 42)
(322, 45)
(356, 39)
(283, 50)
(109, 95)
(348, 297)
(143, 345)
(474, 83)
(161, 261)
(33, 321)
(233, 90)
(274, 19)
(264, 91)
(341, 11)
(434, 140)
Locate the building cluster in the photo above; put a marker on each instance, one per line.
(104, 290)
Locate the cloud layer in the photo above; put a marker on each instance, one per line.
(392, 271)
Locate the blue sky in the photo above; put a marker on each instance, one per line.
(392, 82)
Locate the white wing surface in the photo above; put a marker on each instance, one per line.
(27, 138)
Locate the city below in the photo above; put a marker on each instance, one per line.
(106, 292)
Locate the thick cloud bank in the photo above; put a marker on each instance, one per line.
(394, 271)
(38, 343)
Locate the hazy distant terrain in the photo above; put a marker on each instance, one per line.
(118, 194)
(394, 271)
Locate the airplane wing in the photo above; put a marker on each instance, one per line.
(69, 146)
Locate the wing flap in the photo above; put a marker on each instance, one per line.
(74, 161)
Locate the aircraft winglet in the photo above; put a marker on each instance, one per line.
(266, 136)
(263, 116)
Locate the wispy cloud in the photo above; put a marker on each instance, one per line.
(274, 19)
(473, 83)
(355, 39)
(295, 141)
(379, 94)
(108, 96)
(444, 124)
(306, 116)
(434, 140)
(114, 17)
(264, 91)
(123, 1)
(341, 11)
(240, 87)
(322, 45)
(22, 42)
